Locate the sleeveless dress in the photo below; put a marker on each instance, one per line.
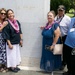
(49, 62)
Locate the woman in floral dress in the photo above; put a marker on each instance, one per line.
(3, 23)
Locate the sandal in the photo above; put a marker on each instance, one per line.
(2, 70)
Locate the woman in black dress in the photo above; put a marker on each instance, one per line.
(13, 35)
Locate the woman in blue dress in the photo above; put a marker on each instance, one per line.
(49, 61)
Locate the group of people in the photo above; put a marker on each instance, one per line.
(60, 26)
(10, 39)
(59, 29)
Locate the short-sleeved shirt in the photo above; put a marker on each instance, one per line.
(64, 24)
(70, 39)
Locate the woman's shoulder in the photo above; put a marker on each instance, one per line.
(8, 24)
(18, 22)
(55, 25)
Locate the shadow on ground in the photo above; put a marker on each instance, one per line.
(24, 72)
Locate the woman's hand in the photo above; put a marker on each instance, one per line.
(5, 23)
(11, 46)
(42, 27)
(51, 47)
(21, 43)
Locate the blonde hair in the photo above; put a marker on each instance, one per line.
(51, 12)
(2, 9)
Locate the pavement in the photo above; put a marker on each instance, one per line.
(27, 72)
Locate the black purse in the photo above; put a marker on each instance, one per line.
(47, 47)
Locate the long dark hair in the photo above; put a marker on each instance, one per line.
(8, 11)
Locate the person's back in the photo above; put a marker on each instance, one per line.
(71, 47)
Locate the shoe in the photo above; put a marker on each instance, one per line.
(14, 70)
(66, 73)
(18, 68)
(62, 68)
(2, 70)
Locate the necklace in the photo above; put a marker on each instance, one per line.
(48, 26)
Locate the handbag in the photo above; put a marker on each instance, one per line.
(58, 49)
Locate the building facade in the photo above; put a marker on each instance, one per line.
(32, 14)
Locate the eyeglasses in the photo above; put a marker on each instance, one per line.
(3, 13)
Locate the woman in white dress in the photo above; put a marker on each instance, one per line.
(13, 35)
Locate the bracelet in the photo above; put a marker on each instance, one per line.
(53, 44)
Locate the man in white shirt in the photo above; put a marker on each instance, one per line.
(64, 22)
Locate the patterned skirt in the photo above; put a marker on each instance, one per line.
(2, 50)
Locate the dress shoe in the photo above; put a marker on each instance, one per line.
(14, 70)
(18, 68)
(66, 73)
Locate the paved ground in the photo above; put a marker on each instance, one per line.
(24, 72)
(32, 71)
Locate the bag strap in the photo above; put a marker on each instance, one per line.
(60, 19)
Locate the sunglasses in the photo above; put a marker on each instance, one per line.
(3, 13)
(60, 10)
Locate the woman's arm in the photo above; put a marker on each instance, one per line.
(7, 33)
(42, 27)
(57, 34)
(21, 40)
(21, 36)
(9, 44)
(55, 39)
(4, 24)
